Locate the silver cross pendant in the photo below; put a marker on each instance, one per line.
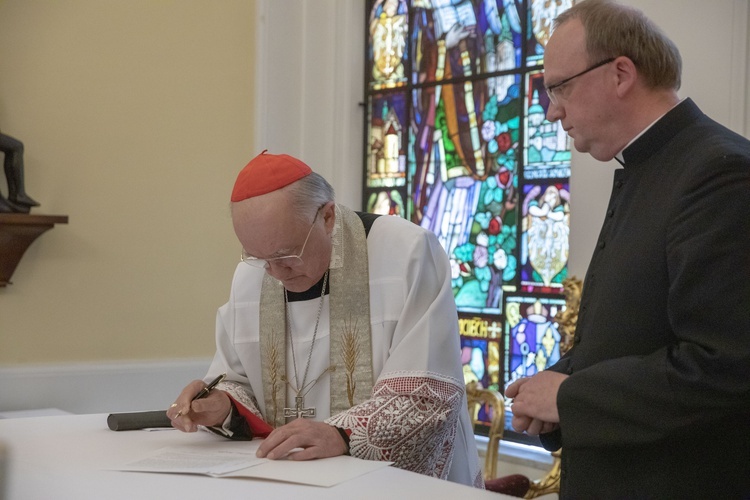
(299, 411)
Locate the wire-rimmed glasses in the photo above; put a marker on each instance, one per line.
(286, 260)
(552, 88)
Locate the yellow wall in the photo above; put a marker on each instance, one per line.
(136, 116)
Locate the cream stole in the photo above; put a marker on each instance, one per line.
(350, 336)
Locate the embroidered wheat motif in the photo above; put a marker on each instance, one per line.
(350, 354)
(274, 367)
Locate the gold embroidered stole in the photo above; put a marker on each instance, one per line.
(350, 336)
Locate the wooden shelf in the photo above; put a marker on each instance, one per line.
(17, 233)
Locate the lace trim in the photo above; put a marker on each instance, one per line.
(243, 395)
(410, 420)
(479, 481)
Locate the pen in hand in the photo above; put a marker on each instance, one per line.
(204, 392)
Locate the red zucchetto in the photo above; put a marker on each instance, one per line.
(266, 173)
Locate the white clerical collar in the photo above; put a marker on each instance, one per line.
(619, 157)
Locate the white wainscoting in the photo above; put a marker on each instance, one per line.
(97, 387)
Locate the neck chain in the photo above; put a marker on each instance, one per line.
(302, 389)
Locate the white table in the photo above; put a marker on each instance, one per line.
(67, 457)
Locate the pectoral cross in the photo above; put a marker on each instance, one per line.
(298, 411)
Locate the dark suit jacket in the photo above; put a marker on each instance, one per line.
(657, 404)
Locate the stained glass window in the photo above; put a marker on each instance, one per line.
(457, 142)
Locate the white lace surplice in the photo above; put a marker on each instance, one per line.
(416, 416)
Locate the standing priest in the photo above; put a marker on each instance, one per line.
(653, 399)
(340, 335)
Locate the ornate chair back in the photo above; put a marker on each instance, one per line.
(517, 484)
(478, 397)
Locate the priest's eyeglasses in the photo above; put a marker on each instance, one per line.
(551, 90)
(285, 260)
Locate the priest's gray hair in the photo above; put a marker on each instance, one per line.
(614, 30)
(309, 194)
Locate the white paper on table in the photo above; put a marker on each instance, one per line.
(218, 461)
(321, 472)
(186, 460)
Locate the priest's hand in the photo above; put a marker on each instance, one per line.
(316, 440)
(532, 426)
(186, 414)
(535, 402)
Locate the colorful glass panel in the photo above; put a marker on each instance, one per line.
(541, 14)
(481, 338)
(387, 55)
(386, 153)
(386, 202)
(547, 147)
(462, 148)
(532, 338)
(544, 240)
(462, 39)
(463, 166)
